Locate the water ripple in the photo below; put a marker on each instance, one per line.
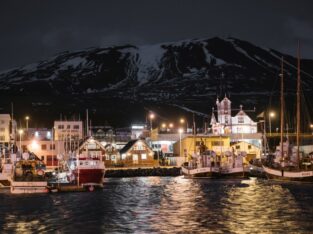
(165, 205)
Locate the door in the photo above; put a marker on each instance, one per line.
(135, 158)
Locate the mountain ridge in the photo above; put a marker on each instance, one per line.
(190, 73)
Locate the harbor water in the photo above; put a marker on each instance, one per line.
(164, 205)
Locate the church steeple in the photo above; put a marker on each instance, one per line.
(213, 119)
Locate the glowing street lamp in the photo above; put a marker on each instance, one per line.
(311, 126)
(20, 132)
(182, 121)
(151, 117)
(180, 131)
(171, 125)
(270, 116)
(163, 125)
(27, 119)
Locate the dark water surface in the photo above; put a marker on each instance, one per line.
(165, 205)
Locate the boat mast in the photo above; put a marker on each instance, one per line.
(282, 110)
(298, 107)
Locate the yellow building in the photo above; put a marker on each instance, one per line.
(252, 151)
(193, 144)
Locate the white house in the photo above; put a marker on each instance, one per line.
(226, 124)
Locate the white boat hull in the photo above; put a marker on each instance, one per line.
(288, 175)
(21, 187)
(215, 172)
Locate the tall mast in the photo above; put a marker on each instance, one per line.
(298, 106)
(282, 109)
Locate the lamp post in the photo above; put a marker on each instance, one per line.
(20, 133)
(163, 126)
(182, 121)
(270, 116)
(27, 118)
(311, 126)
(151, 117)
(180, 131)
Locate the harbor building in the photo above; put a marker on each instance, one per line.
(5, 136)
(137, 153)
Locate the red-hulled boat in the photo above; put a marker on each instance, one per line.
(89, 171)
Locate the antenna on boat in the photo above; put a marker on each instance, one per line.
(282, 110)
(298, 104)
(87, 124)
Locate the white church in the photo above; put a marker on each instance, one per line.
(226, 124)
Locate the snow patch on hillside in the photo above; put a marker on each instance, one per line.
(149, 61)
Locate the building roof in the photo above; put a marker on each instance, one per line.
(128, 146)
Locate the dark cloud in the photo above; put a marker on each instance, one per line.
(34, 29)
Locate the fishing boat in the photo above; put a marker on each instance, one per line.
(28, 175)
(289, 163)
(209, 164)
(87, 169)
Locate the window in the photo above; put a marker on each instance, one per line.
(112, 157)
(107, 157)
(237, 146)
(123, 156)
(139, 147)
(2, 122)
(68, 126)
(2, 129)
(249, 147)
(76, 127)
(135, 158)
(241, 119)
(217, 143)
(43, 147)
(2, 138)
(61, 127)
(143, 156)
(52, 146)
(52, 160)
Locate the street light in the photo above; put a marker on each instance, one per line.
(171, 125)
(270, 116)
(163, 125)
(151, 117)
(180, 131)
(27, 118)
(182, 121)
(311, 126)
(20, 133)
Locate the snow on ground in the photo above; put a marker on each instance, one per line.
(149, 60)
(73, 62)
(209, 56)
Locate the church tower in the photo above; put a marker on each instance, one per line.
(224, 111)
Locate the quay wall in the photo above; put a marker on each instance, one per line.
(132, 172)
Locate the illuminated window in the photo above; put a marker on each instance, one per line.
(43, 147)
(143, 156)
(123, 156)
(61, 127)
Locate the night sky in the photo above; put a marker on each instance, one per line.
(33, 30)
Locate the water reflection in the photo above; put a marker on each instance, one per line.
(165, 205)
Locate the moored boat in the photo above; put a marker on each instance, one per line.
(289, 163)
(28, 176)
(209, 164)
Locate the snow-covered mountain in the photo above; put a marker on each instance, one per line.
(121, 82)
